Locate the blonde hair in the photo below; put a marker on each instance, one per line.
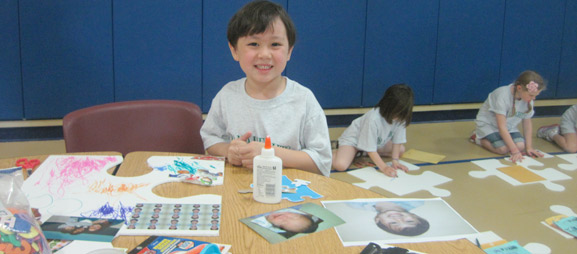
(525, 78)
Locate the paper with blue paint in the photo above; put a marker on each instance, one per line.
(512, 247)
(302, 191)
(569, 225)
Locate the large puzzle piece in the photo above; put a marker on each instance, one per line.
(572, 158)
(492, 166)
(404, 183)
(81, 186)
(302, 190)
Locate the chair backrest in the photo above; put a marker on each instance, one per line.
(143, 125)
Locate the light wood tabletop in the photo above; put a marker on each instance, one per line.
(237, 206)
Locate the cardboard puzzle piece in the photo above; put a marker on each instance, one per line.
(545, 156)
(81, 186)
(410, 167)
(562, 212)
(492, 166)
(404, 183)
(364, 162)
(489, 239)
(572, 158)
(303, 190)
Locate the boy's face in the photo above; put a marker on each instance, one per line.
(396, 220)
(263, 57)
(293, 222)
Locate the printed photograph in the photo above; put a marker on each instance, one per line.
(386, 221)
(81, 228)
(292, 222)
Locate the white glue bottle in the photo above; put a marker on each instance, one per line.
(267, 176)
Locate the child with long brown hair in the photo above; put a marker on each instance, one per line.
(379, 132)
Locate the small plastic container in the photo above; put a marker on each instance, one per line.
(267, 176)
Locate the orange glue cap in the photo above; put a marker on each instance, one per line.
(267, 143)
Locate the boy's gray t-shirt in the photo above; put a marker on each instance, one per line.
(294, 120)
(500, 101)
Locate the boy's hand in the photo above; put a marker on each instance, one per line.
(249, 151)
(234, 155)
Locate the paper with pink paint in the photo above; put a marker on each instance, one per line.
(80, 185)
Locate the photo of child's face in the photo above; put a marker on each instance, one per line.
(94, 227)
(289, 221)
(78, 230)
(397, 221)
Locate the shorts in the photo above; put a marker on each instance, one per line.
(497, 141)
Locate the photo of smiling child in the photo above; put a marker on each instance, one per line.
(390, 220)
(292, 222)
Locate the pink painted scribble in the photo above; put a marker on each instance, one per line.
(70, 170)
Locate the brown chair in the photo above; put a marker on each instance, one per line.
(143, 125)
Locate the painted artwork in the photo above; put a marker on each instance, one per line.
(81, 186)
(390, 220)
(202, 170)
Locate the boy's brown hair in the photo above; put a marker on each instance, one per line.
(255, 18)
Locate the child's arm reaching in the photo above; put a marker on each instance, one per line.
(396, 155)
(528, 131)
(383, 167)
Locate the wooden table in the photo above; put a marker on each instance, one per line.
(237, 206)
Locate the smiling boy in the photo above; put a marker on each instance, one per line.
(261, 38)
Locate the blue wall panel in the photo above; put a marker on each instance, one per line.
(328, 56)
(60, 55)
(10, 82)
(157, 50)
(66, 55)
(532, 40)
(567, 87)
(400, 48)
(218, 65)
(468, 50)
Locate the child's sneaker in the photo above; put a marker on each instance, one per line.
(547, 132)
(473, 138)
